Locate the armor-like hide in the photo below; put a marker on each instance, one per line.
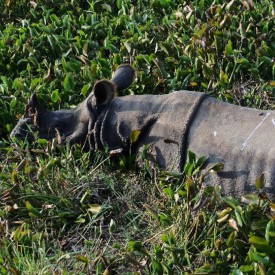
(243, 139)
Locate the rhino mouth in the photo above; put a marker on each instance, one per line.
(25, 130)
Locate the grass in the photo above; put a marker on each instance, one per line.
(65, 211)
(68, 212)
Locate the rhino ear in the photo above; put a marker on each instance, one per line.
(33, 105)
(123, 76)
(104, 91)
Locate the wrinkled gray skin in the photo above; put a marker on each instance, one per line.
(241, 138)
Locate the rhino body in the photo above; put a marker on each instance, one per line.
(241, 138)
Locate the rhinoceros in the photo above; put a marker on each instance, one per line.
(241, 138)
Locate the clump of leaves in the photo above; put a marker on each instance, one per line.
(199, 231)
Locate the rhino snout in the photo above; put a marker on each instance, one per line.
(23, 130)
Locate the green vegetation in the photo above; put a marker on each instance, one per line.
(69, 212)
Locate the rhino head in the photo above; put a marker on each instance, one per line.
(71, 126)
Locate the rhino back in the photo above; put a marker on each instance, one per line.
(242, 138)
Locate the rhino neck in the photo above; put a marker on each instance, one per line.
(159, 119)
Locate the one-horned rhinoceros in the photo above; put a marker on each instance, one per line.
(241, 138)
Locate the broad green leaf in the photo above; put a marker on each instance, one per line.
(232, 202)
(246, 268)
(13, 103)
(216, 167)
(239, 217)
(191, 156)
(243, 61)
(134, 135)
(55, 96)
(260, 181)
(85, 49)
(164, 3)
(261, 244)
(157, 267)
(33, 211)
(69, 83)
(134, 246)
(158, 252)
(18, 84)
(169, 192)
(42, 141)
(270, 232)
(85, 89)
(267, 60)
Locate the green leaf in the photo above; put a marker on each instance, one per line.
(267, 60)
(260, 181)
(85, 49)
(157, 267)
(250, 199)
(81, 258)
(228, 48)
(13, 103)
(69, 83)
(216, 167)
(246, 268)
(191, 156)
(42, 141)
(85, 89)
(207, 70)
(134, 136)
(3, 270)
(261, 245)
(55, 96)
(239, 217)
(164, 3)
(158, 252)
(243, 61)
(230, 239)
(232, 202)
(33, 211)
(169, 192)
(134, 246)
(18, 84)
(270, 232)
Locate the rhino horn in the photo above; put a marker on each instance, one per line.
(123, 76)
